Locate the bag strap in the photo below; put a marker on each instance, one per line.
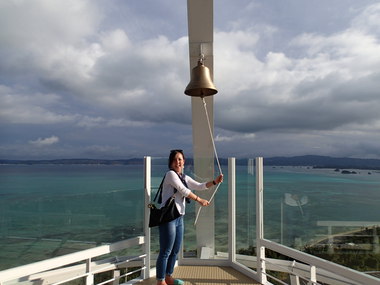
(182, 179)
(184, 183)
(159, 190)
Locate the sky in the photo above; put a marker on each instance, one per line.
(105, 78)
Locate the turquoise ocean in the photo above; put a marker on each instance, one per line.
(51, 210)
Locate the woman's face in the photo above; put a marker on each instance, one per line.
(178, 162)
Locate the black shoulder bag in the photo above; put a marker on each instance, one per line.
(165, 214)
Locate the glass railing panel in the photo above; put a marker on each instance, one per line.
(221, 213)
(329, 213)
(220, 201)
(159, 166)
(245, 210)
(52, 210)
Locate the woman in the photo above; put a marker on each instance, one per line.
(171, 233)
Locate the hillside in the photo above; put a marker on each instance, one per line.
(315, 161)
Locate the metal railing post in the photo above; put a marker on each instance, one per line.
(116, 276)
(260, 221)
(90, 276)
(313, 275)
(147, 190)
(232, 210)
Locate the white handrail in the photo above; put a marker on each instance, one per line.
(356, 276)
(313, 262)
(56, 262)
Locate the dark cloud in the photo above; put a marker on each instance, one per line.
(106, 79)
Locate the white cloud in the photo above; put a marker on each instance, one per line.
(115, 41)
(369, 20)
(101, 122)
(72, 66)
(45, 37)
(127, 123)
(40, 142)
(20, 107)
(327, 84)
(89, 122)
(235, 137)
(44, 23)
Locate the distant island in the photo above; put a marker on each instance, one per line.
(314, 161)
(318, 161)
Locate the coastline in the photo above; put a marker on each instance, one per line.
(313, 161)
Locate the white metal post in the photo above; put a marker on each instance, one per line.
(116, 276)
(90, 276)
(147, 199)
(260, 221)
(313, 275)
(232, 211)
(282, 221)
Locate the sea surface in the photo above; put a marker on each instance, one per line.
(51, 210)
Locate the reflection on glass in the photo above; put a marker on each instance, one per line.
(52, 210)
(324, 212)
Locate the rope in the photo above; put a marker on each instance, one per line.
(216, 156)
(212, 137)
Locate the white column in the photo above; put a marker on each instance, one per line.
(232, 211)
(147, 199)
(260, 220)
(200, 25)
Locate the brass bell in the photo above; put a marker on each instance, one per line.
(200, 84)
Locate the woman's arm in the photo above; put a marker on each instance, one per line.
(209, 184)
(175, 182)
(203, 186)
(198, 199)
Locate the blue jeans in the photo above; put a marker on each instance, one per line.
(171, 235)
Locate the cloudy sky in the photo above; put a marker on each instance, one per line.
(105, 79)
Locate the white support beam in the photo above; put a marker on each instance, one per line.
(200, 29)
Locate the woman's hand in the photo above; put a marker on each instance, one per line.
(203, 202)
(216, 181)
(219, 179)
